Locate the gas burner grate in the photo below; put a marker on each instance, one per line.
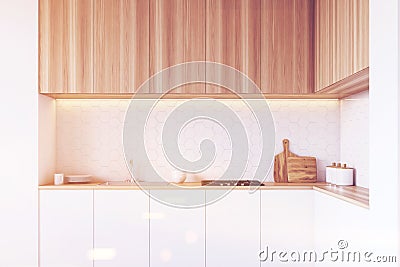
(231, 183)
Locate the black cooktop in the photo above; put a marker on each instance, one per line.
(231, 183)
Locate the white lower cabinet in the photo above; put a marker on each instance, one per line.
(287, 226)
(177, 235)
(339, 221)
(108, 228)
(233, 229)
(66, 228)
(121, 228)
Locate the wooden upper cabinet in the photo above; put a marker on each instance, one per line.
(283, 46)
(360, 35)
(177, 35)
(93, 46)
(341, 39)
(65, 46)
(121, 45)
(233, 39)
(287, 59)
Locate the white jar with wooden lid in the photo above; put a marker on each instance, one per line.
(344, 175)
(330, 173)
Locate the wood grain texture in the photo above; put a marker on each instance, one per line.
(233, 38)
(182, 186)
(177, 35)
(323, 43)
(107, 46)
(341, 39)
(353, 194)
(65, 46)
(83, 47)
(360, 35)
(44, 47)
(280, 163)
(302, 169)
(191, 96)
(54, 45)
(121, 40)
(287, 47)
(353, 84)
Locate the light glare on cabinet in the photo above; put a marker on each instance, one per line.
(153, 216)
(102, 254)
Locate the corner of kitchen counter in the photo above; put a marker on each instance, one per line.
(355, 195)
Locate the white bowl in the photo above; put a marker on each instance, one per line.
(178, 177)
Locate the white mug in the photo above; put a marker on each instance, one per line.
(58, 178)
(178, 176)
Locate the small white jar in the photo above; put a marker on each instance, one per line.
(58, 178)
(330, 173)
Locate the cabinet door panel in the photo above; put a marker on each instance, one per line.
(65, 46)
(329, 227)
(66, 228)
(323, 43)
(107, 46)
(341, 40)
(177, 235)
(121, 40)
(287, 224)
(360, 13)
(83, 47)
(53, 46)
(287, 63)
(233, 229)
(177, 35)
(233, 39)
(121, 228)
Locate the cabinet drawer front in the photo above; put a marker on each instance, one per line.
(66, 228)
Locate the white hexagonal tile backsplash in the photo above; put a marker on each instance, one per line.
(354, 122)
(89, 136)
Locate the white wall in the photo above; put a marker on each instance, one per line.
(398, 121)
(47, 139)
(354, 136)
(384, 127)
(19, 133)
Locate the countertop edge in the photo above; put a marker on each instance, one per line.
(356, 198)
(355, 195)
(161, 187)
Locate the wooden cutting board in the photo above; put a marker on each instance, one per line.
(280, 163)
(302, 169)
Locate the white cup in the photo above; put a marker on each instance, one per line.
(58, 178)
(178, 177)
